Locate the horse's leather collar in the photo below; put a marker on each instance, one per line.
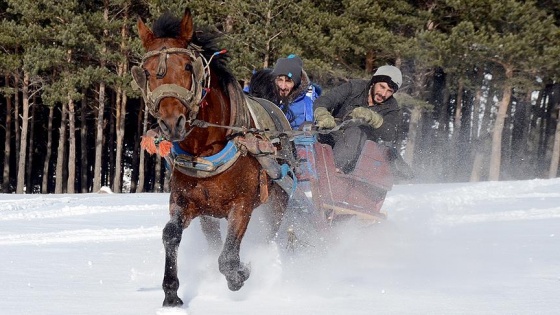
(202, 167)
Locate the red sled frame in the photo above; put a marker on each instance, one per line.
(360, 193)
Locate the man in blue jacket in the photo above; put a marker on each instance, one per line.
(292, 84)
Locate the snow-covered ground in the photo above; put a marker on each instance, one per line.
(484, 248)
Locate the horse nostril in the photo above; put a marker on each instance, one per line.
(164, 128)
(180, 126)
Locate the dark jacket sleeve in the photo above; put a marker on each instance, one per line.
(334, 99)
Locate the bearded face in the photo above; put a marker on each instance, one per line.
(284, 85)
(380, 92)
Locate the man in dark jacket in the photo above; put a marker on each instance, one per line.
(371, 103)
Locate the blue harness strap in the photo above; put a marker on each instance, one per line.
(286, 169)
(211, 163)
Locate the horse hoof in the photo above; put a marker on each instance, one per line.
(238, 280)
(172, 301)
(235, 286)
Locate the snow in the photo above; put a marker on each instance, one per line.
(465, 248)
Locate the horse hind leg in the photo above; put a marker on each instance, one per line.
(211, 229)
(275, 210)
(230, 265)
(172, 234)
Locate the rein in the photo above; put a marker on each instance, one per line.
(306, 131)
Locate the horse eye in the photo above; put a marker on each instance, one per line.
(188, 67)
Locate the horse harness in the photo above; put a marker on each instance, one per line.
(260, 142)
(191, 98)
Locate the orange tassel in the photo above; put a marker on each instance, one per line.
(148, 144)
(165, 148)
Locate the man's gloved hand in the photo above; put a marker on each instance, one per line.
(324, 119)
(369, 116)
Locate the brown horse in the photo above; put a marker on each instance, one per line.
(203, 112)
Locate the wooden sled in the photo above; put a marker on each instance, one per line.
(360, 193)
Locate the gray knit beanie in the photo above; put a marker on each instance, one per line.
(290, 67)
(388, 74)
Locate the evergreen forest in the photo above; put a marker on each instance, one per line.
(480, 97)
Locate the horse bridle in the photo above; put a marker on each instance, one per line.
(190, 98)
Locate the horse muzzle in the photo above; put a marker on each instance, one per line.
(174, 129)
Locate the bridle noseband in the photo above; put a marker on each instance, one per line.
(190, 98)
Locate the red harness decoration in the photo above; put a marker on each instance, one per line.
(203, 101)
(153, 145)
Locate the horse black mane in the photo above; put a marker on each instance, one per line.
(262, 85)
(169, 26)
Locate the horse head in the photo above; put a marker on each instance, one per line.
(171, 75)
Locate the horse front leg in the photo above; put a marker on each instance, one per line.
(172, 234)
(229, 262)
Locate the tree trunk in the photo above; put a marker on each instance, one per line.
(541, 129)
(496, 154)
(121, 108)
(97, 169)
(415, 117)
(99, 138)
(480, 157)
(136, 153)
(23, 138)
(17, 125)
(478, 167)
(553, 171)
(58, 187)
(441, 147)
(520, 156)
(415, 153)
(475, 129)
(47, 163)
(119, 128)
(458, 108)
(7, 142)
(84, 146)
(370, 62)
(531, 146)
(268, 47)
(549, 131)
(71, 147)
(141, 164)
(120, 139)
(31, 147)
(110, 139)
(457, 119)
(476, 134)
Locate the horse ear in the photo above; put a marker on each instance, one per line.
(187, 26)
(146, 34)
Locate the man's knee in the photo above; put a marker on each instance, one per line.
(353, 137)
